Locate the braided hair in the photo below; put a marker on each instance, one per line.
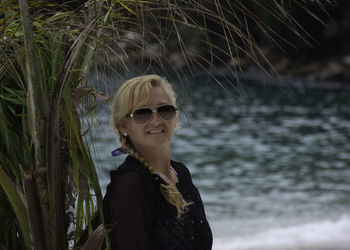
(135, 93)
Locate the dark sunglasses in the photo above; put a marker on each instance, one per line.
(144, 115)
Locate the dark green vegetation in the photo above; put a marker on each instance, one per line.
(326, 54)
(49, 190)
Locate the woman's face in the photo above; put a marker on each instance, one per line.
(155, 134)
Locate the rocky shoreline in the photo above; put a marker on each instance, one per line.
(326, 74)
(333, 70)
(292, 81)
(303, 71)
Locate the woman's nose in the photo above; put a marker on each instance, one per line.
(155, 118)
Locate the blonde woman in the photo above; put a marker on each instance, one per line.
(151, 200)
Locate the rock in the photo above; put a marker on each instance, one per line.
(237, 62)
(177, 60)
(305, 69)
(346, 60)
(282, 65)
(333, 70)
(152, 52)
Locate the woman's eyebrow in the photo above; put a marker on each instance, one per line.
(157, 105)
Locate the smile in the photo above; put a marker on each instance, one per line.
(155, 132)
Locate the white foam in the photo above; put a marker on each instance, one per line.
(323, 235)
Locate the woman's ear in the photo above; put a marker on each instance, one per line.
(123, 129)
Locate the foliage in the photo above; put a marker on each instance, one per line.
(69, 39)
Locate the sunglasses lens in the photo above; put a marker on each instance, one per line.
(142, 115)
(166, 112)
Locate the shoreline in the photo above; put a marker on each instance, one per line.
(255, 76)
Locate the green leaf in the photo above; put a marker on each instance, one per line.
(58, 16)
(126, 7)
(9, 188)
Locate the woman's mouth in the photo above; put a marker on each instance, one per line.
(158, 131)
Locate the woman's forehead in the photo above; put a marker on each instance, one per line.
(156, 96)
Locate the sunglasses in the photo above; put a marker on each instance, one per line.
(144, 115)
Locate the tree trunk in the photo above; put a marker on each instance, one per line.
(37, 112)
(33, 204)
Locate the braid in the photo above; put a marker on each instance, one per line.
(174, 197)
(130, 149)
(169, 192)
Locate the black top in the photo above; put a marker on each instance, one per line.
(144, 220)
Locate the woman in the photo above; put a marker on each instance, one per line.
(151, 200)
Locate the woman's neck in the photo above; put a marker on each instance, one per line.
(158, 157)
(164, 170)
(159, 160)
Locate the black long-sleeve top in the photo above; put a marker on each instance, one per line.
(144, 220)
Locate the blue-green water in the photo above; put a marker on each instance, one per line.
(273, 167)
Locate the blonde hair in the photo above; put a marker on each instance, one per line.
(135, 93)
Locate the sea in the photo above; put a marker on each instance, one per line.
(271, 160)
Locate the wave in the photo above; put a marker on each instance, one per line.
(322, 235)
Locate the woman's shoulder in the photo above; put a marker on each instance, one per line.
(130, 175)
(179, 165)
(129, 188)
(130, 166)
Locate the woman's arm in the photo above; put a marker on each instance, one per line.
(126, 205)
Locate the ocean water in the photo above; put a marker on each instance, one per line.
(272, 164)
